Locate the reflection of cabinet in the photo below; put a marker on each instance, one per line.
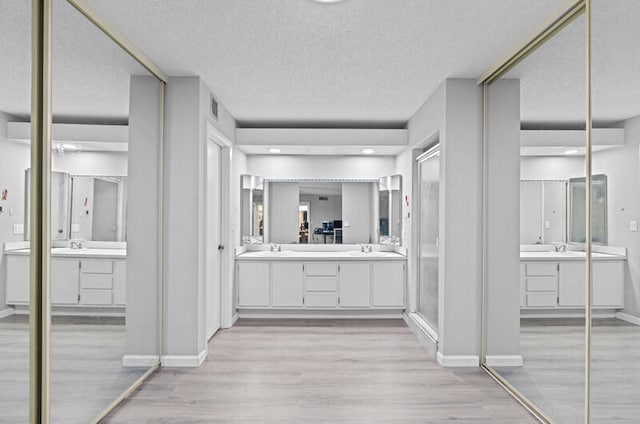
(561, 285)
(608, 290)
(321, 285)
(74, 282)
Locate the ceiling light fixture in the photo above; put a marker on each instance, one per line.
(571, 152)
(274, 150)
(70, 147)
(368, 151)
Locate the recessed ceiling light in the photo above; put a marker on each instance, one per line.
(274, 150)
(571, 152)
(368, 151)
(70, 147)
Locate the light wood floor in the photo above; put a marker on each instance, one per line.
(323, 371)
(87, 374)
(553, 372)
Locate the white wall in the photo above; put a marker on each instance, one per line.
(186, 117)
(338, 167)
(551, 167)
(453, 114)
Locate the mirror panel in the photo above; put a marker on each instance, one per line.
(252, 209)
(390, 209)
(577, 215)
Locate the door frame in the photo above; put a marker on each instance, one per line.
(226, 257)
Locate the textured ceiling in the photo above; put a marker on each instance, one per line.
(358, 63)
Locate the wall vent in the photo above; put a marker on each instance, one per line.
(214, 108)
(323, 198)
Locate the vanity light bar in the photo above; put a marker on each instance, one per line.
(321, 180)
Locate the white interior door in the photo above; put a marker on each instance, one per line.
(212, 289)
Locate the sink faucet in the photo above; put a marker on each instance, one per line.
(75, 244)
(275, 248)
(366, 248)
(561, 248)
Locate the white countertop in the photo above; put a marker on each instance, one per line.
(293, 255)
(66, 252)
(570, 255)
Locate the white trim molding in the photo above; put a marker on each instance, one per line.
(425, 337)
(139, 360)
(184, 361)
(7, 312)
(504, 360)
(628, 318)
(458, 360)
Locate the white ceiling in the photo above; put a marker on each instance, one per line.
(358, 63)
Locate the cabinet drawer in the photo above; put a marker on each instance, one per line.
(541, 299)
(321, 269)
(321, 283)
(97, 267)
(542, 269)
(541, 284)
(96, 297)
(96, 281)
(321, 300)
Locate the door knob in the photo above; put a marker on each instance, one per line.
(220, 247)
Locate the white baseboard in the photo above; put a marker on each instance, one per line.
(628, 318)
(319, 314)
(504, 360)
(7, 312)
(192, 361)
(139, 361)
(234, 318)
(458, 360)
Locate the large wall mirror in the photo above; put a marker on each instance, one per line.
(323, 212)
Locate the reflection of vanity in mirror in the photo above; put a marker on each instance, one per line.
(322, 212)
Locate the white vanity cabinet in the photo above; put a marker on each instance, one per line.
(558, 285)
(254, 280)
(355, 285)
(287, 285)
(75, 282)
(320, 285)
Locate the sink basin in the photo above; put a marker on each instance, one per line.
(273, 254)
(366, 254)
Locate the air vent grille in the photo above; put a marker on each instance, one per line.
(214, 108)
(323, 198)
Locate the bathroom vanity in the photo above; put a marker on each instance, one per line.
(553, 283)
(88, 281)
(327, 283)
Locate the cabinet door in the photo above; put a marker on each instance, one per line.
(17, 279)
(571, 281)
(65, 280)
(388, 284)
(253, 284)
(608, 284)
(286, 284)
(355, 285)
(119, 283)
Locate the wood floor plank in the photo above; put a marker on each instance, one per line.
(319, 371)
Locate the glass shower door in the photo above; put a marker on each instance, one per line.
(429, 177)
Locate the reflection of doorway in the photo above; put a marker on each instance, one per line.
(214, 239)
(303, 222)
